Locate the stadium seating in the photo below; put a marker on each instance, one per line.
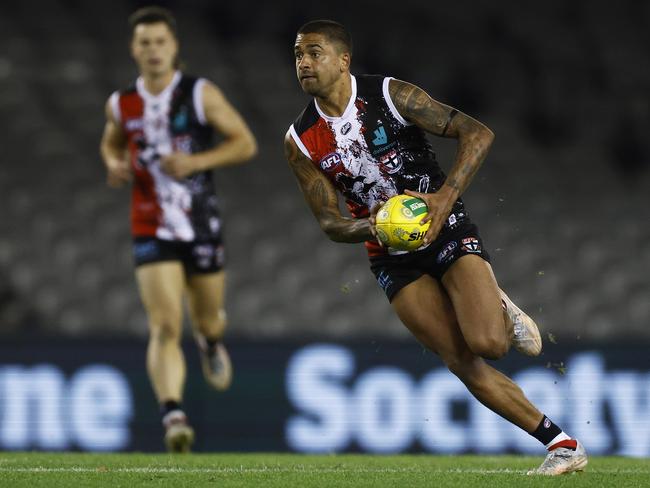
(566, 223)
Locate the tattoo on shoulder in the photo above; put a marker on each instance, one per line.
(415, 105)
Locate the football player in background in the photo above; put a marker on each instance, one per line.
(158, 137)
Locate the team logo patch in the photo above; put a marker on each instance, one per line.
(447, 252)
(331, 161)
(471, 245)
(391, 162)
(346, 128)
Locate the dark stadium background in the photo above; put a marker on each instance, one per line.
(562, 202)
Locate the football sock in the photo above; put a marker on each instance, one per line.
(552, 436)
(169, 406)
(211, 345)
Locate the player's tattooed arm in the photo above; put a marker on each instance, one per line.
(322, 199)
(474, 138)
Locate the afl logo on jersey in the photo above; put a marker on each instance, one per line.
(134, 124)
(346, 128)
(331, 161)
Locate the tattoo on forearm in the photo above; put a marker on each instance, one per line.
(322, 200)
(319, 194)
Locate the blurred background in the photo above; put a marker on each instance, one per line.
(562, 200)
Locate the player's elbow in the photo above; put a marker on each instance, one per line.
(486, 135)
(329, 227)
(250, 150)
(247, 147)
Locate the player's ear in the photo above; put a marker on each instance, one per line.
(344, 62)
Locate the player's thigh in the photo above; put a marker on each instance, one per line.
(205, 297)
(161, 285)
(424, 308)
(474, 293)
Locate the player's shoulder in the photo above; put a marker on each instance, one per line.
(126, 91)
(307, 118)
(370, 84)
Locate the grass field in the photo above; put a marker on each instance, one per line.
(282, 470)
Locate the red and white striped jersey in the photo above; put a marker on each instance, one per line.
(156, 125)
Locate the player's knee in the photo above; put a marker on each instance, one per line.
(489, 346)
(211, 324)
(166, 330)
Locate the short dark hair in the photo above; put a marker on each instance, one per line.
(331, 29)
(152, 15)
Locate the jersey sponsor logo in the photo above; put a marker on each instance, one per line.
(380, 136)
(447, 252)
(346, 128)
(452, 220)
(134, 124)
(391, 163)
(331, 161)
(471, 245)
(180, 120)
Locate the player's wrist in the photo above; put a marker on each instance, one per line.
(451, 192)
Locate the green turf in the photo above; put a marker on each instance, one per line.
(282, 470)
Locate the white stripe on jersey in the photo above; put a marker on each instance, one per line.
(298, 141)
(197, 98)
(115, 107)
(389, 101)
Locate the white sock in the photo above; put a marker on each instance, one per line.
(558, 438)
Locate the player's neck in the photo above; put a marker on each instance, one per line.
(156, 83)
(336, 101)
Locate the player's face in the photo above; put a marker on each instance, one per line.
(319, 63)
(154, 48)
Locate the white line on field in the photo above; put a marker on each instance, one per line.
(297, 469)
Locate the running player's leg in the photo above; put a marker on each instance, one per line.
(476, 300)
(161, 286)
(426, 309)
(206, 303)
(474, 293)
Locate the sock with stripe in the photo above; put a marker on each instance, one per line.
(552, 436)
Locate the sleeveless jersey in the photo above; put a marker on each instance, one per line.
(371, 152)
(156, 125)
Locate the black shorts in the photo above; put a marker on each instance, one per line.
(196, 256)
(394, 272)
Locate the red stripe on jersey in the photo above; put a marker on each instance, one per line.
(320, 141)
(145, 210)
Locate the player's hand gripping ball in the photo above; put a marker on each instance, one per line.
(398, 222)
